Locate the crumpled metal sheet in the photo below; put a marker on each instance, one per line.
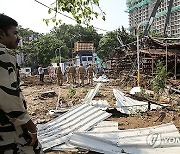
(137, 141)
(128, 105)
(102, 104)
(80, 118)
(91, 93)
(102, 78)
(103, 126)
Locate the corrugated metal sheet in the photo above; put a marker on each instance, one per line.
(93, 143)
(65, 147)
(135, 90)
(91, 93)
(102, 104)
(129, 141)
(105, 126)
(102, 78)
(128, 105)
(79, 118)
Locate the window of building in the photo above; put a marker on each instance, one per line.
(84, 59)
(89, 58)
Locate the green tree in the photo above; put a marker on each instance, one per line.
(43, 48)
(49, 47)
(159, 81)
(29, 38)
(109, 46)
(71, 34)
(82, 11)
(26, 34)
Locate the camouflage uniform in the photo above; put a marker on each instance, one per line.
(51, 72)
(82, 73)
(90, 71)
(59, 75)
(77, 74)
(72, 72)
(14, 137)
(67, 74)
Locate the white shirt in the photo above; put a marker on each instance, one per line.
(41, 70)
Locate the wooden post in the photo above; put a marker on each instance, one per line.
(175, 67)
(152, 67)
(166, 56)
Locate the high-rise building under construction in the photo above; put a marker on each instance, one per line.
(140, 12)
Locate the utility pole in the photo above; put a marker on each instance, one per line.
(138, 53)
(60, 53)
(71, 47)
(59, 49)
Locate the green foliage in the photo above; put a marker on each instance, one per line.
(57, 59)
(44, 49)
(159, 81)
(72, 92)
(155, 34)
(82, 11)
(46, 21)
(143, 94)
(109, 43)
(47, 48)
(29, 47)
(24, 32)
(70, 34)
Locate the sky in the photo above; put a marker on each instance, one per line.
(30, 14)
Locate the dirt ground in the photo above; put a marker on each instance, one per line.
(40, 105)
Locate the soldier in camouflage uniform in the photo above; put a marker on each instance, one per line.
(77, 75)
(72, 72)
(17, 131)
(67, 73)
(81, 72)
(90, 71)
(59, 75)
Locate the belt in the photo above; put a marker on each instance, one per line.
(7, 129)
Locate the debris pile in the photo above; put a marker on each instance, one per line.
(97, 122)
(79, 118)
(83, 127)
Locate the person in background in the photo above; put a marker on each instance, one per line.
(77, 75)
(59, 75)
(18, 133)
(72, 72)
(67, 73)
(41, 73)
(51, 72)
(81, 72)
(90, 71)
